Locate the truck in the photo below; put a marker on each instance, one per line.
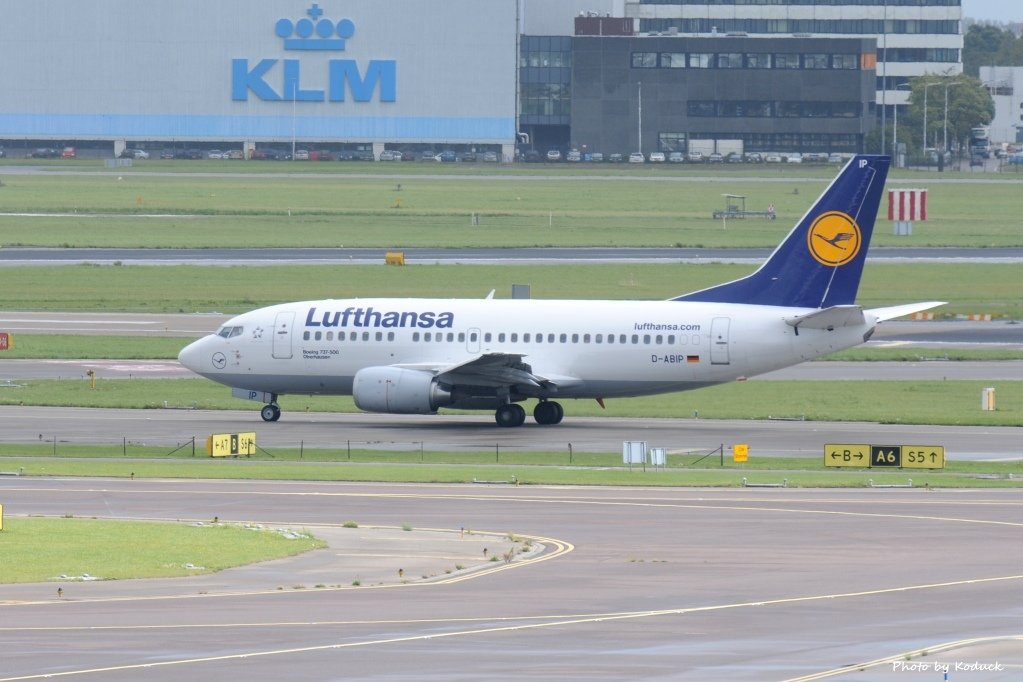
(980, 142)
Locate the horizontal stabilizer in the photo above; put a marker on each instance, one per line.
(828, 318)
(891, 312)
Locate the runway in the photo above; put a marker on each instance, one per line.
(640, 584)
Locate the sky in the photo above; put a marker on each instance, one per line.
(993, 10)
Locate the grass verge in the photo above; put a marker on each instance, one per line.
(405, 468)
(969, 287)
(428, 204)
(44, 549)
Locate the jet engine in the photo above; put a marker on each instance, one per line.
(398, 391)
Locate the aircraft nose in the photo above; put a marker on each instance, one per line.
(191, 356)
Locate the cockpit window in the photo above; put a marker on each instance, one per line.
(230, 332)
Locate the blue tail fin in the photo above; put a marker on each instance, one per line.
(819, 263)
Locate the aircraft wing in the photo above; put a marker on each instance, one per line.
(891, 312)
(494, 369)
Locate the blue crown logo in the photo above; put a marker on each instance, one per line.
(299, 35)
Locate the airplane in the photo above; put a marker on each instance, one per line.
(415, 356)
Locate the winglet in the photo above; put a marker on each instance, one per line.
(820, 262)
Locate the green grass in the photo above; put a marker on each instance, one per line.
(523, 469)
(905, 402)
(918, 354)
(969, 287)
(41, 549)
(523, 206)
(67, 347)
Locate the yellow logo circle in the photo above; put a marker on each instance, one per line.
(834, 239)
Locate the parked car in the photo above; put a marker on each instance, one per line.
(793, 157)
(390, 155)
(574, 156)
(657, 157)
(167, 153)
(467, 157)
(695, 157)
(734, 157)
(715, 157)
(490, 157)
(615, 157)
(772, 158)
(676, 157)
(754, 157)
(637, 157)
(43, 153)
(68, 153)
(235, 154)
(447, 156)
(532, 156)
(134, 154)
(301, 154)
(554, 155)
(3, 154)
(596, 157)
(267, 155)
(815, 157)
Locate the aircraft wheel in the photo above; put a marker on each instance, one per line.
(510, 415)
(547, 412)
(270, 413)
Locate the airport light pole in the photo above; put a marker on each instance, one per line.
(944, 134)
(895, 127)
(639, 116)
(884, 76)
(926, 85)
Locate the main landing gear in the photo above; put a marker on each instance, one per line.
(271, 412)
(546, 412)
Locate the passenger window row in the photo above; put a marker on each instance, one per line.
(501, 337)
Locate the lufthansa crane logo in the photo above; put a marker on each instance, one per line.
(834, 239)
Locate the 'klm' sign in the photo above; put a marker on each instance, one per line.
(338, 78)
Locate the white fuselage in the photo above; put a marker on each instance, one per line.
(587, 349)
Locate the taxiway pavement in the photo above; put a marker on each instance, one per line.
(629, 584)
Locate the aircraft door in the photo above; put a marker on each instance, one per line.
(282, 335)
(472, 340)
(719, 341)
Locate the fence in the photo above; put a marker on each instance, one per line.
(406, 452)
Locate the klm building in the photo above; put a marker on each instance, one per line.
(261, 71)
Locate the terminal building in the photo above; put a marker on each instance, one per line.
(628, 75)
